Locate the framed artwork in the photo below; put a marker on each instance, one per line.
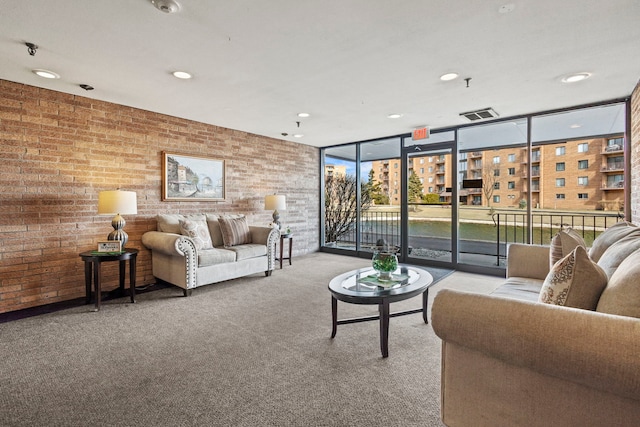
(192, 178)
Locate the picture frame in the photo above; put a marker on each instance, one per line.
(192, 178)
(110, 246)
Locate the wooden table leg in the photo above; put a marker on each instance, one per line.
(425, 303)
(132, 278)
(334, 316)
(96, 284)
(281, 251)
(87, 280)
(384, 328)
(123, 271)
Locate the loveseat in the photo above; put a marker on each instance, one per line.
(533, 353)
(196, 250)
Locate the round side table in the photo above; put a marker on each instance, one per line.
(92, 263)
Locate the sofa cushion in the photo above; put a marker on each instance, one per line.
(574, 281)
(213, 256)
(617, 252)
(251, 250)
(622, 294)
(170, 223)
(198, 231)
(521, 288)
(235, 231)
(608, 237)
(563, 243)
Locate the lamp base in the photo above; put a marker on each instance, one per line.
(276, 218)
(118, 233)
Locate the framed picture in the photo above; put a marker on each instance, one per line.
(192, 178)
(110, 246)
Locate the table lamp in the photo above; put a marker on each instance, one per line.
(117, 202)
(275, 202)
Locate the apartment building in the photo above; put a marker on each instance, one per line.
(583, 174)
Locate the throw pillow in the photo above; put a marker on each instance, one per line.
(563, 243)
(622, 295)
(608, 237)
(235, 231)
(198, 231)
(618, 252)
(170, 223)
(574, 281)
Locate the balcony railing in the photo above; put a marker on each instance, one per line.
(508, 228)
(512, 227)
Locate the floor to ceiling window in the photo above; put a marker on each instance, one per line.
(464, 194)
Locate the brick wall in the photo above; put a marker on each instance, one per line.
(635, 155)
(58, 151)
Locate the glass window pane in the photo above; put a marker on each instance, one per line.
(583, 123)
(340, 187)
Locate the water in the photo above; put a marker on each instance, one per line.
(390, 231)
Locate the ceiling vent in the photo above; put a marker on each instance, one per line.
(166, 6)
(485, 113)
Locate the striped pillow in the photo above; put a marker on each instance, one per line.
(235, 231)
(563, 244)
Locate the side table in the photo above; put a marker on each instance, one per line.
(92, 263)
(282, 239)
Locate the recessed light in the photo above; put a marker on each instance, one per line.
(506, 8)
(575, 126)
(298, 135)
(46, 74)
(181, 75)
(572, 78)
(448, 76)
(303, 114)
(394, 116)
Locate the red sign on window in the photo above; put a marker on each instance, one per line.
(422, 133)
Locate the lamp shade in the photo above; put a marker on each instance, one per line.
(275, 202)
(117, 202)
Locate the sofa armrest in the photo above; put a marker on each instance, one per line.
(530, 261)
(267, 236)
(169, 243)
(263, 234)
(589, 348)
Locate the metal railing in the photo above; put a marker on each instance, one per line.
(512, 227)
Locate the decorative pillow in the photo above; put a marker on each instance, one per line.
(198, 231)
(622, 295)
(619, 251)
(608, 237)
(574, 281)
(235, 231)
(563, 243)
(170, 223)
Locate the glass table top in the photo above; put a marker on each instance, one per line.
(366, 280)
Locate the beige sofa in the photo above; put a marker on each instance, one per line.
(509, 359)
(182, 255)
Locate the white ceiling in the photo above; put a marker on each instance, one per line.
(349, 63)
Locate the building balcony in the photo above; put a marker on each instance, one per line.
(613, 187)
(476, 154)
(613, 167)
(613, 149)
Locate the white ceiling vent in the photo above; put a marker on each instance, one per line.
(485, 113)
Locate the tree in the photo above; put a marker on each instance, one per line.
(375, 191)
(490, 176)
(415, 188)
(341, 206)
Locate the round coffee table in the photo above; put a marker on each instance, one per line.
(361, 287)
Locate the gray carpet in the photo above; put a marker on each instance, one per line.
(249, 352)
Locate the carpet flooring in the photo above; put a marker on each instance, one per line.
(254, 351)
